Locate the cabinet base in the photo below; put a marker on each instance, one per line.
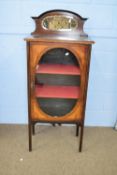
(79, 126)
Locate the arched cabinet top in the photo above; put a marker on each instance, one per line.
(59, 23)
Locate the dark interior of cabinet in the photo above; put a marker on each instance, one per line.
(57, 106)
(65, 80)
(59, 56)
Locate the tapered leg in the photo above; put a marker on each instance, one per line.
(33, 128)
(59, 124)
(77, 129)
(30, 136)
(81, 138)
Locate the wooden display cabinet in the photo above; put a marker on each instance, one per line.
(58, 59)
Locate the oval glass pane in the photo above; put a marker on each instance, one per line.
(59, 23)
(57, 82)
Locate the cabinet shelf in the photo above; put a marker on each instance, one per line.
(58, 69)
(68, 92)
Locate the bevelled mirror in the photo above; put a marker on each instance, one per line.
(59, 23)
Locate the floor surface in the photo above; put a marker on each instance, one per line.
(55, 151)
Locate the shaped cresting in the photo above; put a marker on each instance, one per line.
(61, 22)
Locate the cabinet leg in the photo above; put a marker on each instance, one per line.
(54, 124)
(33, 128)
(77, 129)
(30, 137)
(81, 138)
(59, 124)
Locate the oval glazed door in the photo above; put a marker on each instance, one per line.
(57, 83)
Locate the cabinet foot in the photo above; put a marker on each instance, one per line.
(77, 130)
(81, 138)
(30, 137)
(33, 128)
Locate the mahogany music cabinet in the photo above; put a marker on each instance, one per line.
(58, 60)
